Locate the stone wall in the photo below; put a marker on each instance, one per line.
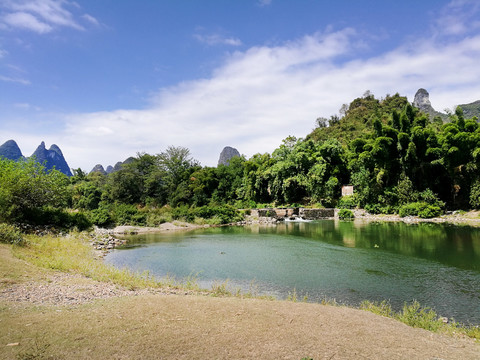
(315, 214)
(282, 213)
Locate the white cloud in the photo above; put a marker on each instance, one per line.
(14, 80)
(27, 21)
(91, 19)
(217, 39)
(459, 17)
(26, 106)
(41, 16)
(264, 2)
(262, 95)
(51, 11)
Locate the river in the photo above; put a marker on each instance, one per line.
(349, 261)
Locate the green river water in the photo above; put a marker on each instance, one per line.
(435, 264)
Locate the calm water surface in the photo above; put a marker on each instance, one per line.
(435, 264)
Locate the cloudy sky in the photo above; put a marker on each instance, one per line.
(107, 79)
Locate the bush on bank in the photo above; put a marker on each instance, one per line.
(10, 234)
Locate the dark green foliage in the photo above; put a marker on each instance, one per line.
(86, 195)
(475, 195)
(100, 217)
(347, 202)
(225, 214)
(375, 209)
(57, 218)
(26, 187)
(125, 214)
(421, 209)
(345, 214)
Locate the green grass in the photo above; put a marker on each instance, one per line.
(421, 317)
(73, 253)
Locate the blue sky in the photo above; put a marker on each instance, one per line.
(105, 79)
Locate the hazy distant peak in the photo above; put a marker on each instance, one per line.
(227, 153)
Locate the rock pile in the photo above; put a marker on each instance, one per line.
(107, 242)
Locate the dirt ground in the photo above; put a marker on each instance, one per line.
(129, 325)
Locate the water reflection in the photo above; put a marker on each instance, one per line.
(457, 246)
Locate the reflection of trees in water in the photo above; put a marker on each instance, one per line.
(457, 246)
(449, 244)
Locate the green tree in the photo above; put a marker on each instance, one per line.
(177, 166)
(26, 187)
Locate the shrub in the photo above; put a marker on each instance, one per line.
(156, 217)
(429, 212)
(57, 218)
(345, 214)
(100, 217)
(26, 186)
(421, 209)
(410, 209)
(431, 198)
(124, 214)
(80, 221)
(379, 209)
(182, 212)
(373, 208)
(475, 195)
(218, 214)
(10, 234)
(245, 204)
(347, 202)
(416, 316)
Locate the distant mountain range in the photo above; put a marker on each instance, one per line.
(225, 156)
(422, 101)
(51, 158)
(110, 169)
(471, 110)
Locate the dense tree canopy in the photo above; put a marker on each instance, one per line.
(392, 154)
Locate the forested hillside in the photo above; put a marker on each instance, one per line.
(396, 158)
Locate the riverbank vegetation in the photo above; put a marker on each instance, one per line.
(421, 317)
(397, 159)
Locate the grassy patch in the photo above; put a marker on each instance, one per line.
(74, 253)
(421, 317)
(10, 234)
(221, 289)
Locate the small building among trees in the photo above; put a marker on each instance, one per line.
(347, 190)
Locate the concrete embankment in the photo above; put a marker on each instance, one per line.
(293, 213)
